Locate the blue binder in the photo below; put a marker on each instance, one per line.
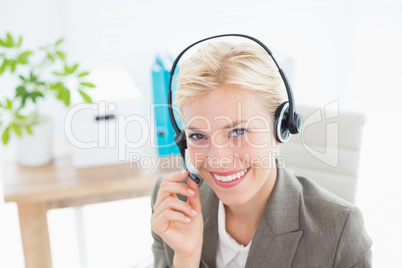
(164, 130)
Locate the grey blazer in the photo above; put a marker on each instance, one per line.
(303, 226)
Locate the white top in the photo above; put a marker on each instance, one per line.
(230, 254)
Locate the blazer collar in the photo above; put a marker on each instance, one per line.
(209, 204)
(282, 210)
(278, 233)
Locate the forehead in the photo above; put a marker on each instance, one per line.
(225, 105)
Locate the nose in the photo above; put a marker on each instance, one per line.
(220, 155)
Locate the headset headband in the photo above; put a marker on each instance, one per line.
(285, 80)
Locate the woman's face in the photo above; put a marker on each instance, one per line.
(231, 143)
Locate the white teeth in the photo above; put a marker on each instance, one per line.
(231, 177)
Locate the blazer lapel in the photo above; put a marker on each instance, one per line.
(278, 234)
(209, 203)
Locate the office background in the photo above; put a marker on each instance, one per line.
(346, 50)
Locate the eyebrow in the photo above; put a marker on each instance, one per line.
(231, 125)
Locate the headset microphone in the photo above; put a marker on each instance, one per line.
(286, 122)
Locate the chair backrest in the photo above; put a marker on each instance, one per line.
(328, 149)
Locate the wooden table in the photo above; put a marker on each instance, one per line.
(58, 185)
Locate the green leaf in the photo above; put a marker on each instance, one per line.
(86, 84)
(21, 90)
(35, 94)
(2, 43)
(22, 93)
(3, 66)
(22, 78)
(72, 70)
(29, 129)
(9, 104)
(32, 77)
(66, 69)
(83, 74)
(54, 86)
(17, 129)
(63, 94)
(85, 96)
(23, 57)
(50, 57)
(12, 65)
(9, 41)
(6, 135)
(19, 42)
(59, 41)
(61, 55)
(59, 74)
(20, 117)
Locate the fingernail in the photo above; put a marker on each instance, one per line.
(183, 171)
(191, 191)
(195, 212)
(188, 219)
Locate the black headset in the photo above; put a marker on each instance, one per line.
(287, 120)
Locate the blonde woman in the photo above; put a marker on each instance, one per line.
(248, 211)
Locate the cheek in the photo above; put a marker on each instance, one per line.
(197, 156)
(259, 141)
(261, 154)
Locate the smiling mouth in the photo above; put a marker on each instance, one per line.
(231, 177)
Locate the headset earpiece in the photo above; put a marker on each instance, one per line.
(284, 126)
(281, 129)
(181, 140)
(296, 124)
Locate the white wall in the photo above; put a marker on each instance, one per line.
(127, 34)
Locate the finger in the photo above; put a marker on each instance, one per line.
(170, 186)
(178, 176)
(176, 188)
(172, 203)
(161, 222)
(194, 201)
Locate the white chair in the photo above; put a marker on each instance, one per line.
(328, 148)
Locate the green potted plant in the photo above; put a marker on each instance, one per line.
(39, 74)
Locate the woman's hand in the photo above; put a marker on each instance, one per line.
(179, 223)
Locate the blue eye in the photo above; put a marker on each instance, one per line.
(238, 131)
(197, 136)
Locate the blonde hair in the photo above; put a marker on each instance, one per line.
(245, 65)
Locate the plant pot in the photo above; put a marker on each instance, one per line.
(36, 149)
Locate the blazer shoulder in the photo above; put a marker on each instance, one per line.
(312, 191)
(321, 205)
(322, 212)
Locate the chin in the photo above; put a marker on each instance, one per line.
(233, 200)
